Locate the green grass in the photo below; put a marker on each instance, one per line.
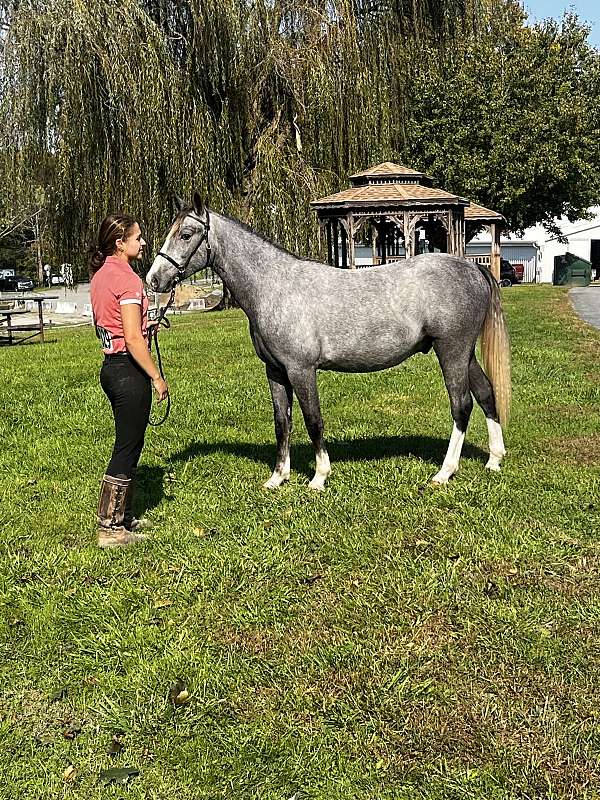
(383, 639)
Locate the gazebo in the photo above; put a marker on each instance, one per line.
(396, 201)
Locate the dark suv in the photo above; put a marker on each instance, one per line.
(16, 283)
(508, 274)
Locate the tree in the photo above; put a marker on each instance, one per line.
(510, 118)
(267, 107)
(259, 108)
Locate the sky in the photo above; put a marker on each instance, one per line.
(587, 10)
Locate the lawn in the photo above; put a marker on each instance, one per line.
(383, 639)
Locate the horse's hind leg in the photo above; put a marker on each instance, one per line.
(484, 394)
(282, 395)
(304, 382)
(455, 368)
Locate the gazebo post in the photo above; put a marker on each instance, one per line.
(336, 243)
(344, 246)
(461, 234)
(329, 243)
(408, 236)
(373, 241)
(351, 254)
(452, 249)
(495, 250)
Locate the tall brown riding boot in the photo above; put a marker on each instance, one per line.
(129, 521)
(111, 514)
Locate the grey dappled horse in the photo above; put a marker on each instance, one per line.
(306, 316)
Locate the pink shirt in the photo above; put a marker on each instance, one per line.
(114, 285)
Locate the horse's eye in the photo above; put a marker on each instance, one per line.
(186, 236)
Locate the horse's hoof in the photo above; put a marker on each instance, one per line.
(275, 481)
(318, 486)
(494, 466)
(441, 479)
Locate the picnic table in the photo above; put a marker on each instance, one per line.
(31, 328)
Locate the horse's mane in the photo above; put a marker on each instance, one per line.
(185, 211)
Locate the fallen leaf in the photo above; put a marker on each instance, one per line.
(179, 694)
(72, 732)
(119, 775)
(491, 589)
(69, 774)
(422, 543)
(311, 579)
(199, 531)
(163, 603)
(115, 747)
(59, 694)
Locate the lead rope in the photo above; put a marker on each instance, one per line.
(161, 322)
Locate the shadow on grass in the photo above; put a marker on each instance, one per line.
(425, 448)
(149, 488)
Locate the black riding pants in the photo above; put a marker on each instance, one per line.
(129, 390)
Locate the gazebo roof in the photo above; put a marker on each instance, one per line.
(388, 186)
(387, 171)
(475, 212)
(388, 195)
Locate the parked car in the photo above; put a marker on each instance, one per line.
(16, 283)
(509, 274)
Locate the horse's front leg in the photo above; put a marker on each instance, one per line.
(282, 395)
(304, 383)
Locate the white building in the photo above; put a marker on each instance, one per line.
(537, 248)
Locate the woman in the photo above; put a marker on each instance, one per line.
(120, 308)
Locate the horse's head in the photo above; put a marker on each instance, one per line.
(186, 248)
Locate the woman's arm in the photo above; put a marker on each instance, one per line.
(131, 315)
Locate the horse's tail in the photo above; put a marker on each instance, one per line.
(495, 349)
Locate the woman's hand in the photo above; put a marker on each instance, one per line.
(161, 389)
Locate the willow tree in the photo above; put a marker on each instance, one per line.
(260, 105)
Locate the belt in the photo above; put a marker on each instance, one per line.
(110, 356)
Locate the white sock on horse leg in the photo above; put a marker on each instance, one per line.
(450, 465)
(322, 472)
(496, 439)
(279, 476)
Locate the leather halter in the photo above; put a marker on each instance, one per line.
(161, 320)
(181, 268)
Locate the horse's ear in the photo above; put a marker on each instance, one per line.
(199, 204)
(177, 203)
